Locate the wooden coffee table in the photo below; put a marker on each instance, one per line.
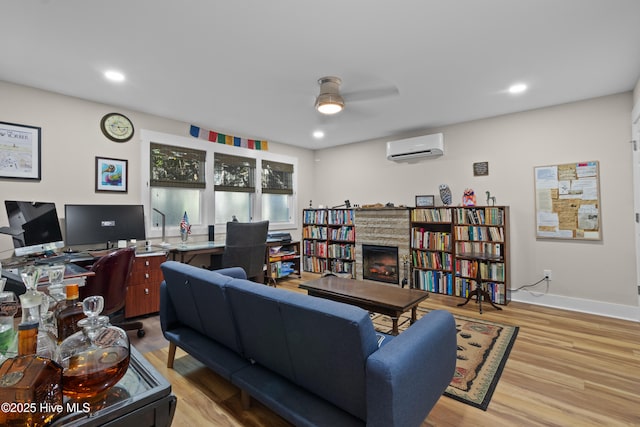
(385, 299)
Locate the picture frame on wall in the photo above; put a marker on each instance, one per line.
(425, 201)
(112, 175)
(20, 147)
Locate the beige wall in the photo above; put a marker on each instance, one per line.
(71, 139)
(596, 277)
(597, 129)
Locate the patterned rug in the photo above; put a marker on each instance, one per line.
(483, 350)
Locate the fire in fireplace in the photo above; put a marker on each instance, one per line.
(380, 263)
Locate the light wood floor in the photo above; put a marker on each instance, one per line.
(565, 369)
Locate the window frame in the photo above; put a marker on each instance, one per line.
(207, 199)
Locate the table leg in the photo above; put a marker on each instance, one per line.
(414, 315)
(394, 330)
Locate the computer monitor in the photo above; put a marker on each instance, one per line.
(103, 224)
(39, 224)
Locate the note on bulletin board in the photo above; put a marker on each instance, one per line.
(568, 201)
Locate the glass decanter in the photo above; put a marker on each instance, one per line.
(56, 278)
(30, 301)
(95, 358)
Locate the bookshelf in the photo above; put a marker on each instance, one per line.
(328, 240)
(283, 260)
(454, 249)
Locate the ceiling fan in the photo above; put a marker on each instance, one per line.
(330, 101)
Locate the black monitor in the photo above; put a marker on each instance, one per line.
(39, 224)
(103, 224)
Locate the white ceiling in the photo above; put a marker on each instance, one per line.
(250, 67)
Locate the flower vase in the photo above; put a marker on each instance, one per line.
(184, 237)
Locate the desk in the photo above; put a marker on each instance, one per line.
(191, 250)
(141, 397)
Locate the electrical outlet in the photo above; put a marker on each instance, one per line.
(547, 274)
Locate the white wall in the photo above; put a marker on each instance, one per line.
(71, 139)
(589, 276)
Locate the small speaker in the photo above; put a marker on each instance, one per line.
(211, 233)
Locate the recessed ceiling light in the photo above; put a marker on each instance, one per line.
(114, 76)
(318, 134)
(517, 88)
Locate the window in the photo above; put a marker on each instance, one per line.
(277, 191)
(212, 183)
(177, 179)
(234, 186)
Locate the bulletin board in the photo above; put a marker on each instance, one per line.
(568, 201)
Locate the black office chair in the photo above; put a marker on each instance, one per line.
(111, 279)
(246, 245)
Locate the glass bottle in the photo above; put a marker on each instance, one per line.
(56, 278)
(96, 358)
(34, 385)
(8, 308)
(68, 315)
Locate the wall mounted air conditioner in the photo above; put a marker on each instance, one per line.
(416, 147)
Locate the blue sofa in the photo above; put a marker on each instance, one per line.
(313, 361)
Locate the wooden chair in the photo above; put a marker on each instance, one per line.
(111, 279)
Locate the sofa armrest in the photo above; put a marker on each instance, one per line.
(235, 272)
(168, 315)
(407, 376)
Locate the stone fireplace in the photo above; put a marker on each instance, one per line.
(384, 227)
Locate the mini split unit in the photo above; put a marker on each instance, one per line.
(417, 147)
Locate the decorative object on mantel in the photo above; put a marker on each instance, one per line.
(425, 201)
(220, 138)
(347, 205)
(491, 199)
(445, 194)
(468, 197)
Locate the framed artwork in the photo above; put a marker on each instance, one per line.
(20, 151)
(481, 169)
(112, 175)
(425, 201)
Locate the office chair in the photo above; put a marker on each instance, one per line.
(246, 245)
(111, 279)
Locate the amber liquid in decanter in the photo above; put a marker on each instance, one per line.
(69, 314)
(94, 371)
(31, 391)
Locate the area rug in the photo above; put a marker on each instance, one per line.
(483, 350)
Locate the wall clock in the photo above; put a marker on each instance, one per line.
(117, 127)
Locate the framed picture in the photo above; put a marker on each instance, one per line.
(19, 151)
(111, 175)
(425, 201)
(481, 169)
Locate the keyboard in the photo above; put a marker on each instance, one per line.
(64, 258)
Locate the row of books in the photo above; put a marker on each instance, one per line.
(488, 270)
(315, 248)
(341, 216)
(314, 264)
(433, 260)
(345, 233)
(314, 232)
(337, 250)
(282, 269)
(445, 283)
(463, 287)
(479, 248)
(313, 216)
(342, 266)
(434, 240)
(431, 215)
(479, 233)
(487, 215)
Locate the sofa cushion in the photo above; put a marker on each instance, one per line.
(318, 344)
(200, 303)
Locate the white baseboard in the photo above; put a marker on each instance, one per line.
(618, 311)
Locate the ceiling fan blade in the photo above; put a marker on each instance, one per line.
(371, 94)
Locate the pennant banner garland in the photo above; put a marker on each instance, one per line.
(211, 136)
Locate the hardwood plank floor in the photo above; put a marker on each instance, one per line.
(565, 369)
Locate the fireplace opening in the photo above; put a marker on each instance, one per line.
(380, 263)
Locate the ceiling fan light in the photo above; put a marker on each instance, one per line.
(328, 103)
